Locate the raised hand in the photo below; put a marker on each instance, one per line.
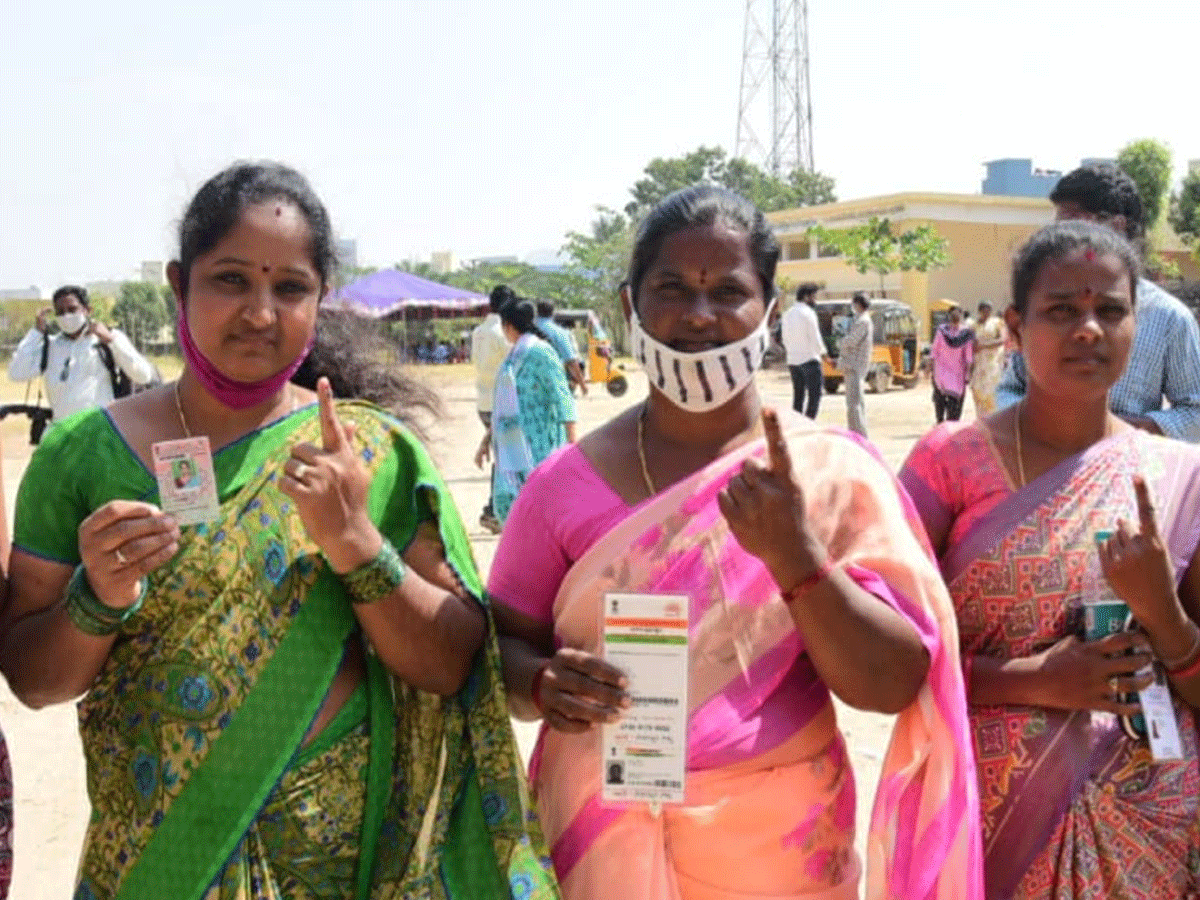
(1137, 566)
(764, 507)
(122, 542)
(329, 485)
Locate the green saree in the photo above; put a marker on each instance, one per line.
(200, 787)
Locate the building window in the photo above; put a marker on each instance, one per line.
(798, 250)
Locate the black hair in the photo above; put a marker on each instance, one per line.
(71, 290)
(1056, 241)
(355, 354)
(545, 308)
(807, 289)
(704, 204)
(1103, 189)
(500, 295)
(520, 313)
(215, 209)
(861, 299)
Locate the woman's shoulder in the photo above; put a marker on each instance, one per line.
(562, 474)
(79, 434)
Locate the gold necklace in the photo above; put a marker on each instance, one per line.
(641, 449)
(179, 409)
(1017, 440)
(187, 431)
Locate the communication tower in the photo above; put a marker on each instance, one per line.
(774, 127)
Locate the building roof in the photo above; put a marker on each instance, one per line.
(987, 208)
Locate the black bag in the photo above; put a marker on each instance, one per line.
(122, 386)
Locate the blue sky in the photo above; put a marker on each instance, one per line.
(494, 128)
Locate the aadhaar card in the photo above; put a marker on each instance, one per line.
(644, 755)
(1158, 710)
(187, 488)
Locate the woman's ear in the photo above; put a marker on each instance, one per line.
(175, 279)
(1012, 319)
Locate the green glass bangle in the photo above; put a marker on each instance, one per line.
(89, 613)
(377, 579)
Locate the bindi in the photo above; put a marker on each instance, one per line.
(266, 269)
(1089, 254)
(279, 211)
(703, 277)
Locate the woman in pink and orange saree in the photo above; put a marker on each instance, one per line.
(805, 574)
(1020, 507)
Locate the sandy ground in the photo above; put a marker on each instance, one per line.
(51, 802)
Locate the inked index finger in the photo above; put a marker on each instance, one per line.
(779, 459)
(1145, 504)
(332, 433)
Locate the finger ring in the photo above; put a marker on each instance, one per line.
(120, 557)
(301, 471)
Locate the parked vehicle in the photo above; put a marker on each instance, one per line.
(896, 356)
(598, 365)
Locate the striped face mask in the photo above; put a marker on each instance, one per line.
(698, 382)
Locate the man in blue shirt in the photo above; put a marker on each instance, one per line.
(563, 343)
(1165, 358)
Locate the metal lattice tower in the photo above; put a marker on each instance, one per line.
(774, 126)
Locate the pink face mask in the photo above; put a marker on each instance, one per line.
(234, 394)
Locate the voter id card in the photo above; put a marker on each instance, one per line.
(187, 488)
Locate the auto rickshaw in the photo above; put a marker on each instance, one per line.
(598, 361)
(896, 355)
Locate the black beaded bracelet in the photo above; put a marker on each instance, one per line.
(89, 613)
(377, 579)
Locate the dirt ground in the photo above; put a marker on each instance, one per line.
(51, 802)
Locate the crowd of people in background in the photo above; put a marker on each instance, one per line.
(302, 686)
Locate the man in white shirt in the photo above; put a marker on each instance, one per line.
(489, 347)
(801, 336)
(82, 361)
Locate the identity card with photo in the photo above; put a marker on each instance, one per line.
(645, 753)
(1158, 710)
(187, 487)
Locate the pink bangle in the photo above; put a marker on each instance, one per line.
(536, 687)
(809, 582)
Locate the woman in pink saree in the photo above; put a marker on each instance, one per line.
(1072, 805)
(807, 575)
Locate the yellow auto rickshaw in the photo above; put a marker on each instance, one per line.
(896, 355)
(598, 365)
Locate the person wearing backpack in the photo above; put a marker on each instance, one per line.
(85, 363)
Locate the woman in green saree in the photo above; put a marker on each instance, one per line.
(299, 698)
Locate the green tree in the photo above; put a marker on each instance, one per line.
(140, 312)
(597, 263)
(875, 247)
(1185, 208)
(711, 165)
(1148, 163)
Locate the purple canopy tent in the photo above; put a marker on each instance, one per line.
(391, 291)
(396, 294)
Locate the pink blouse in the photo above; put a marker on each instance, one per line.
(562, 510)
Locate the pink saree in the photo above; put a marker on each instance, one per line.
(1072, 808)
(769, 811)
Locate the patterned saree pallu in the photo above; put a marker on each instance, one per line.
(1072, 808)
